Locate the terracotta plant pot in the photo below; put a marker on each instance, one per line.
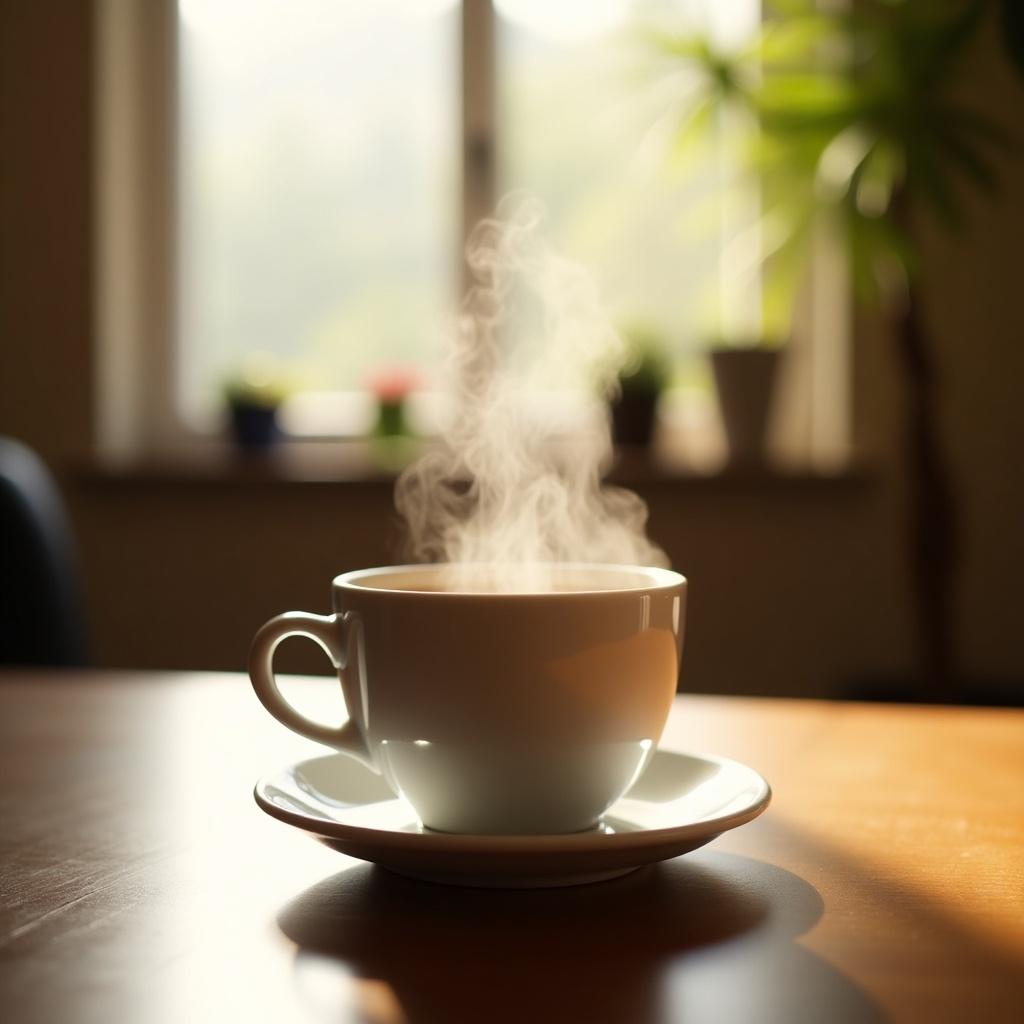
(745, 380)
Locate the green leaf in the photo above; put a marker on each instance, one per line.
(877, 178)
(695, 128)
(807, 92)
(690, 47)
(879, 254)
(809, 103)
(842, 159)
(794, 41)
(791, 8)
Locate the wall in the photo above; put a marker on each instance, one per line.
(977, 313)
(790, 590)
(45, 225)
(796, 586)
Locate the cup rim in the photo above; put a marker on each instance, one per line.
(658, 579)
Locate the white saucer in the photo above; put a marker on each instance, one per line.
(681, 802)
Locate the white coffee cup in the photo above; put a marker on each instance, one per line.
(495, 713)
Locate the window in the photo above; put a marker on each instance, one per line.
(584, 119)
(324, 181)
(318, 160)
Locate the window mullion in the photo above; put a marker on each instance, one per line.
(478, 115)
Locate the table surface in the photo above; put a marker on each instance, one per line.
(140, 882)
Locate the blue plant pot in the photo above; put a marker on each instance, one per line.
(254, 427)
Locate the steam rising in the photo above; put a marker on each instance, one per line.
(500, 499)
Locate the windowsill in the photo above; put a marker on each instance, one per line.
(362, 462)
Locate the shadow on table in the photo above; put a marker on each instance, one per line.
(708, 937)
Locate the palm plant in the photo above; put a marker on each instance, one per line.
(855, 121)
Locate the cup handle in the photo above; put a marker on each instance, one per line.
(340, 636)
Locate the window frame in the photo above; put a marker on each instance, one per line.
(136, 163)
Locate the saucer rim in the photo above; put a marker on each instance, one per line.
(574, 842)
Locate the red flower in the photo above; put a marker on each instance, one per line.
(393, 384)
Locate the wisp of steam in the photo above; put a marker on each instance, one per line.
(499, 500)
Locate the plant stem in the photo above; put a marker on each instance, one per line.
(931, 514)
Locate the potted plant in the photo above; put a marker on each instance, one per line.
(253, 397)
(855, 124)
(640, 382)
(391, 388)
(391, 444)
(745, 376)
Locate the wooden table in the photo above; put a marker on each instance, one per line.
(140, 882)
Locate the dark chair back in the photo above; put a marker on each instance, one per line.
(42, 620)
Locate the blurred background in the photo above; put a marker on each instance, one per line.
(230, 254)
